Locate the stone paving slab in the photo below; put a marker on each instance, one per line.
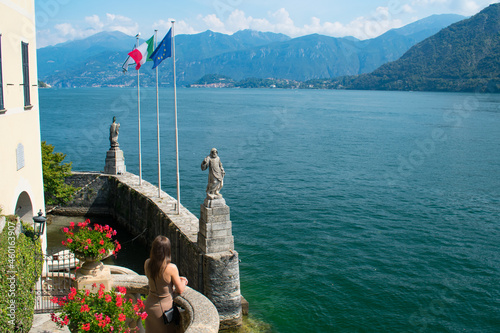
(43, 324)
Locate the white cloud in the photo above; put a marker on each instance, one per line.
(120, 23)
(93, 24)
(468, 7)
(65, 29)
(181, 27)
(231, 20)
(463, 7)
(214, 23)
(280, 21)
(238, 21)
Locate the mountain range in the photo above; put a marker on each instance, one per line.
(462, 57)
(97, 60)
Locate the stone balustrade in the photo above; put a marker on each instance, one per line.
(202, 248)
(199, 315)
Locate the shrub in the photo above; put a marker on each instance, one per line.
(19, 269)
(54, 173)
(98, 312)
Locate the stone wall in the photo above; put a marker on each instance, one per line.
(144, 214)
(92, 198)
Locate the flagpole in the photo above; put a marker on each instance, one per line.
(139, 116)
(176, 131)
(158, 123)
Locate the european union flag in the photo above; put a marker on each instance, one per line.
(163, 50)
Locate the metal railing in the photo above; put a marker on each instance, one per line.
(58, 275)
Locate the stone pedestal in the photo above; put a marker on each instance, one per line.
(222, 286)
(93, 272)
(221, 276)
(215, 232)
(115, 162)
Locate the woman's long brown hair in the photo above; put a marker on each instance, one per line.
(159, 256)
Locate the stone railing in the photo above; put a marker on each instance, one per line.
(202, 248)
(199, 315)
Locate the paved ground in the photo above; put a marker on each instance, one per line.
(43, 324)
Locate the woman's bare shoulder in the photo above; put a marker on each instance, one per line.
(171, 265)
(172, 268)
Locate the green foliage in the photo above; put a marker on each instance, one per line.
(267, 83)
(90, 242)
(54, 173)
(214, 78)
(97, 311)
(20, 268)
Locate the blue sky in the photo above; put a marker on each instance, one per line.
(62, 20)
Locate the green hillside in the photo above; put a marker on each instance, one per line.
(462, 57)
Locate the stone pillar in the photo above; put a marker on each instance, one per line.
(115, 162)
(221, 276)
(215, 233)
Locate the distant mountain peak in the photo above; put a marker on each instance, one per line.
(97, 60)
(461, 57)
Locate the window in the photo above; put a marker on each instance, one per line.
(1, 81)
(26, 74)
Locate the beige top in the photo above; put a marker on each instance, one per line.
(162, 287)
(160, 291)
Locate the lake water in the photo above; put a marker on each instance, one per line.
(352, 211)
(131, 254)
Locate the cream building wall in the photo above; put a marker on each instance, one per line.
(21, 180)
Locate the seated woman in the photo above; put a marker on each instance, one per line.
(163, 280)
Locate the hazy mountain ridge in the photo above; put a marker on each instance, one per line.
(97, 60)
(462, 57)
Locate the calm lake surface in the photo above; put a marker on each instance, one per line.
(352, 211)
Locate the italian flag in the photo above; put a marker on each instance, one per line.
(141, 54)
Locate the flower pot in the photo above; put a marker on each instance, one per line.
(91, 265)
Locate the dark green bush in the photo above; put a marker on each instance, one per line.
(20, 268)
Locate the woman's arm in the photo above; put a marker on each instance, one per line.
(180, 282)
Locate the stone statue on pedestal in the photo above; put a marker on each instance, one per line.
(114, 130)
(215, 174)
(215, 240)
(115, 162)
